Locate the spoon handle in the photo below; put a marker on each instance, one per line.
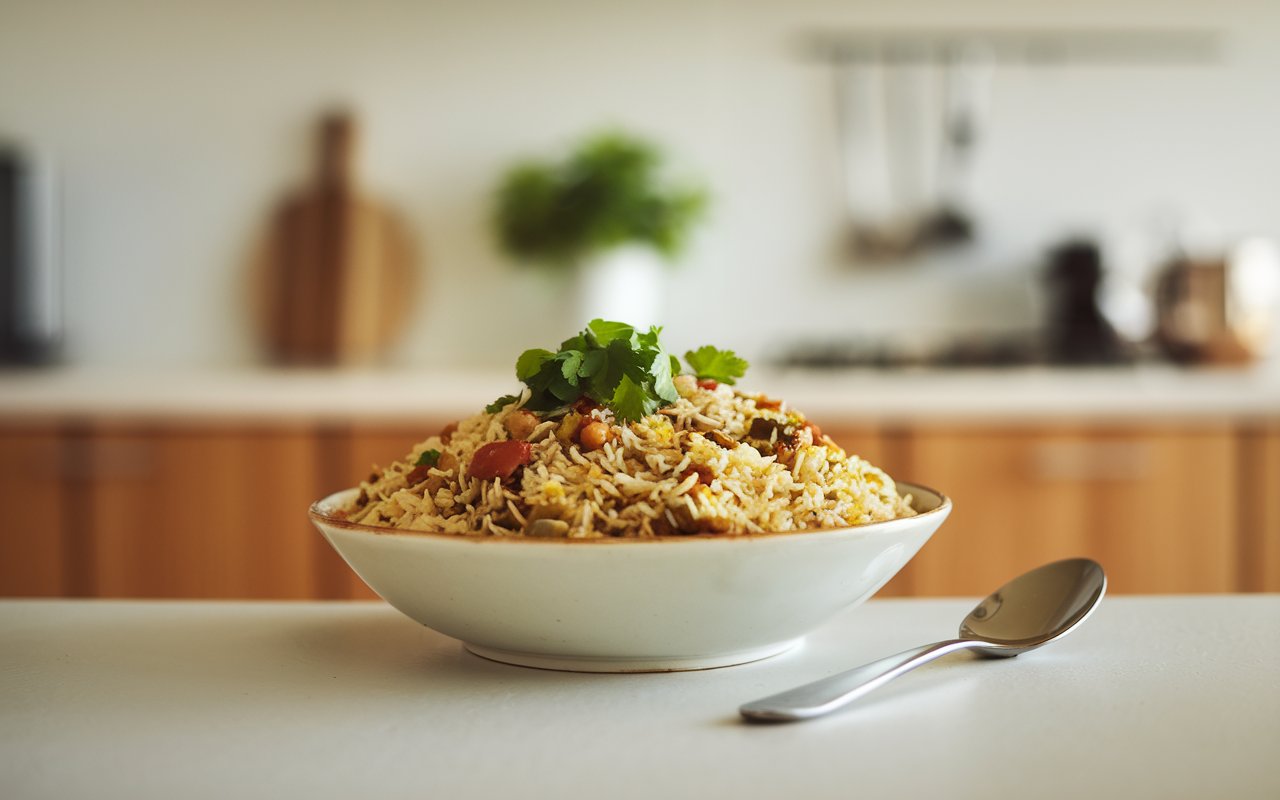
(828, 694)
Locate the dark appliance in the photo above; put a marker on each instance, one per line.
(30, 278)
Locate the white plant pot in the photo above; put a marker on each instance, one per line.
(625, 285)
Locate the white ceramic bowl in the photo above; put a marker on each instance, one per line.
(623, 605)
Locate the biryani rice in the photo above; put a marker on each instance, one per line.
(718, 460)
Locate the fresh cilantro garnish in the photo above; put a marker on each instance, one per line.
(616, 365)
(428, 458)
(711, 363)
(612, 363)
(501, 403)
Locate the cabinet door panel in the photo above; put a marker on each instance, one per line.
(33, 551)
(1260, 507)
(1175, 529)
(1156, 507)
(991, 534)
(201, 512)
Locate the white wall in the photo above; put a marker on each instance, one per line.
(176, 125)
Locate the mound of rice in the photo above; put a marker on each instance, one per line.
(716, 461)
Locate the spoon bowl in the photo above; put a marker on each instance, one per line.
(1035, 608)
(1029, 611)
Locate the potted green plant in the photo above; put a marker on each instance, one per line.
(606, 213)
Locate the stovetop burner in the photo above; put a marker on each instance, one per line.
(1013, 350)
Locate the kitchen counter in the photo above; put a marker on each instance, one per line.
(1121, 394)
(1151, 698)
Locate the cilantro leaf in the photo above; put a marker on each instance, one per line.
(606, 332)
(570, 364)
(530, 362)
(546, 403)
(630, 401)
(663, 386)
(650, 338)
(578, 342)
(712, 363)
(428, 458)
(613, 366)
(564, 389)
(501, 403)
(592, 363)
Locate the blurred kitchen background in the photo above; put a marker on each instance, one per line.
(1024, 252)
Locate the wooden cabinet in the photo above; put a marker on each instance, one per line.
(198, 511)
(180, 510)
(219, 509)
(34, 553)
(1158, 507)
(1260, 508)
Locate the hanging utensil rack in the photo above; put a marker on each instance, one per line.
(889, 223)
(1152, 47)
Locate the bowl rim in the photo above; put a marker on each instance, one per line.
(317, 515)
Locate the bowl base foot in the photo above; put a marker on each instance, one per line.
(657, 664)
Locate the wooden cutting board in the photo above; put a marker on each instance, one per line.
(334, 278)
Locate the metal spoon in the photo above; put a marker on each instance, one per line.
(1027, 612)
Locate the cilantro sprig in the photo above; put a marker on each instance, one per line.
(710, 363)
(615, 365)
(501, 403)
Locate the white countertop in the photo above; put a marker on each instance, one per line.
(1152, 698)
(1137, 394)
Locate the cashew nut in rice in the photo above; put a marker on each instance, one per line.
(547, 528)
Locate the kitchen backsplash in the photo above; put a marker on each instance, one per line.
(175, 127)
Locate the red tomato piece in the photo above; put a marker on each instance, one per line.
(500, 459)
